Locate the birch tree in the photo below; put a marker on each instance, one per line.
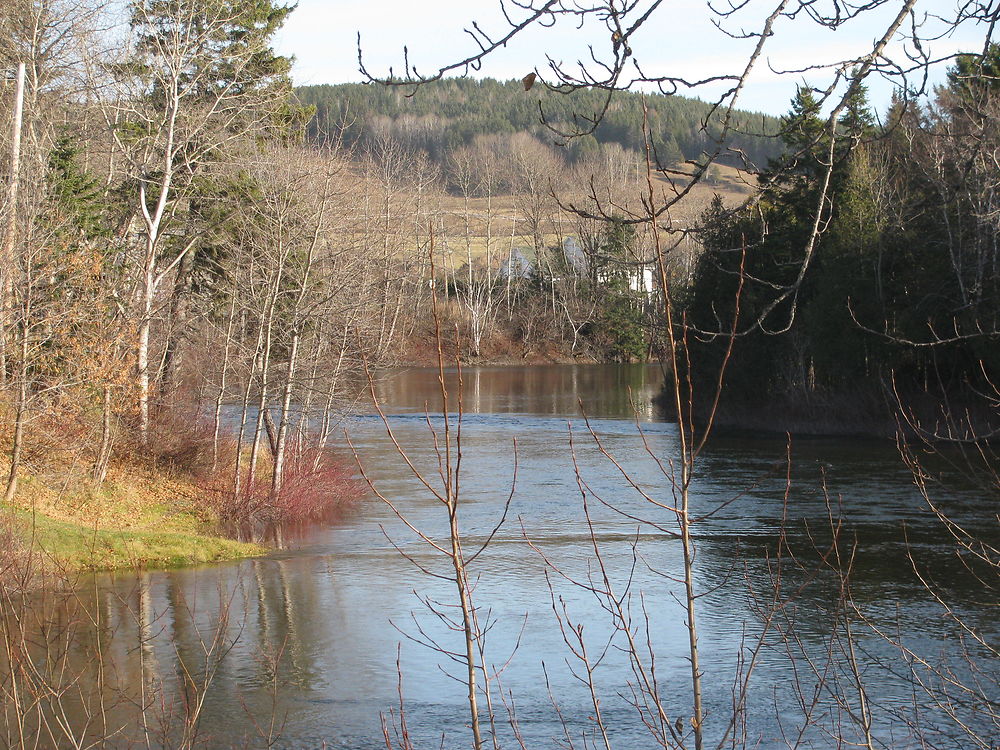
(198, 79)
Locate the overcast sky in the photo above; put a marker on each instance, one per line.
(679, 40)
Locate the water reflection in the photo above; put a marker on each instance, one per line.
(306, 640)
(609, 391)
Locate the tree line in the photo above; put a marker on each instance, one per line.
(898, 303)
(453, 112)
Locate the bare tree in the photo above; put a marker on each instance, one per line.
(610, 61)
(474, 171)
(187, 94)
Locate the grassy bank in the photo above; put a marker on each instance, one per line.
(141, 517)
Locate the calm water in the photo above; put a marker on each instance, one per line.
(313, 633)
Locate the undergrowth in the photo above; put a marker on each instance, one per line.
(167, 504)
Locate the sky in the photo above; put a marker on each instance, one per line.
(678, 40)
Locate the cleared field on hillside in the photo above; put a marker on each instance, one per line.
(465, 227)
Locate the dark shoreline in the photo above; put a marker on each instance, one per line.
(863, 413)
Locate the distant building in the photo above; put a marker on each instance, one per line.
(520, 264)
(576, 259)
(517, 265)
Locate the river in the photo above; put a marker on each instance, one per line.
(319, 637)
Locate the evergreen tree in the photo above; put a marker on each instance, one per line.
(975, 77)
(797, 348)
(857, 122)
(78, 195)
(459, 110)
(803, 133)
(621, 305)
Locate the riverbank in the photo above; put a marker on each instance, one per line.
(498, 352)
(139, 517)
(500, 347)
(868, 411)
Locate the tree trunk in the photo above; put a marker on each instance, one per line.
(104, 452)
(142, 360)
(265, 363)
(277, 476)
(21, 411)
(10, 236)
(173, 354)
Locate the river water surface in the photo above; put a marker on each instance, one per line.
(320, 636)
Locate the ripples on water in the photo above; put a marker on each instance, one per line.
(336, 607)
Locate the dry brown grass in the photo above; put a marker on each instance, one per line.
(144, 514)
(468, 227)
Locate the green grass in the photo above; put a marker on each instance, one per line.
(74, 547)
(141, 517)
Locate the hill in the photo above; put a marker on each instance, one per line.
(447, 114)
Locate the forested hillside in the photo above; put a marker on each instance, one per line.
(450, 113)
